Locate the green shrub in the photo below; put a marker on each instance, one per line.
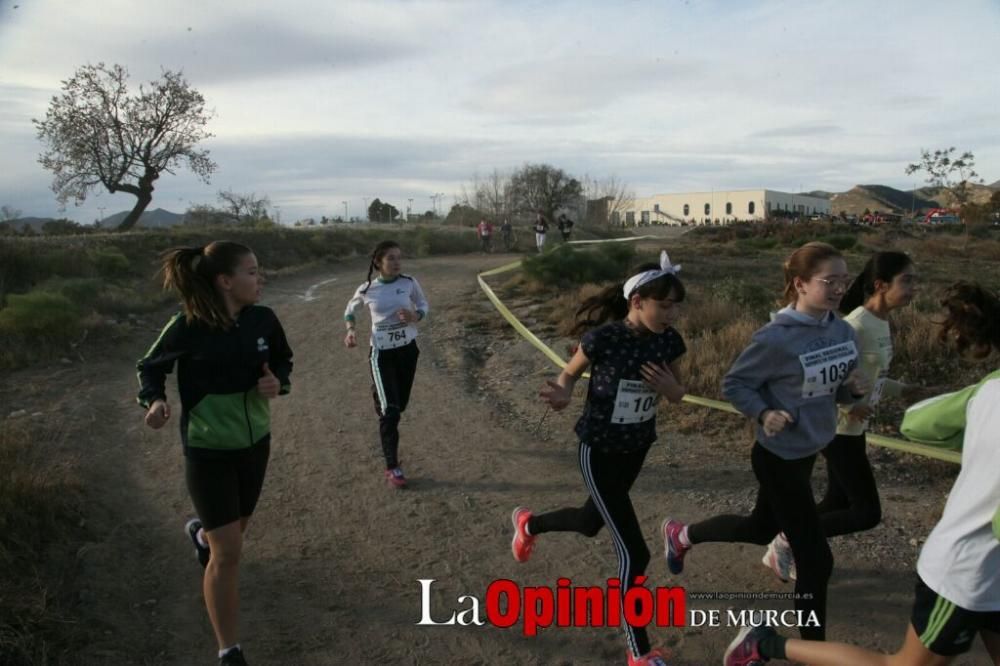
(110, 262)
(566, 265)
(40, 316)
(82, 292)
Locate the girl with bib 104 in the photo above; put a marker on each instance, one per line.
(396, 303)
(789, 381)
(633, 360)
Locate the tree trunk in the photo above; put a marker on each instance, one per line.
(143, 200)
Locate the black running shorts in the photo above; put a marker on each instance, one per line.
(944, 628)
(226, 489)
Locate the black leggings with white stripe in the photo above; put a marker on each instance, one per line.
(609, 477)
(392, 373)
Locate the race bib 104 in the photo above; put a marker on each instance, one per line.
(390, 336)
(634, 403)
(824, 369)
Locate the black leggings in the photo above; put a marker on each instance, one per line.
(392, 373)
(851, 503)
(608, 477)
(784, 503)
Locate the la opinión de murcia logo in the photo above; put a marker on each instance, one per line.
(540, 607)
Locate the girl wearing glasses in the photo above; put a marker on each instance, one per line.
(851, 503)
(789, 380)
(957, 595)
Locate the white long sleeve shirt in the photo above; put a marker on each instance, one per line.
(384, 300)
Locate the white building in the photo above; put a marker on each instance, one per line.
(721, 207)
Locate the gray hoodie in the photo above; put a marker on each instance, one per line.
(796, 363)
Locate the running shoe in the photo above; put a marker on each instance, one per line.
(651, 658)
(201, 552)
(780, 559)
(394, 477)
(745, 648)
(233, 658)
(672, 545)
(523, 542)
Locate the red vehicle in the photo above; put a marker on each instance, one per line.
(942, 216)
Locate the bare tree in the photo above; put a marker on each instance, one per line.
(97, 134)
(244, 207)
(9, 213)
(542, 187)
(607, 199)
(491, 195)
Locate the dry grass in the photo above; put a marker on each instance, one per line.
(732, 289)
(38, 524)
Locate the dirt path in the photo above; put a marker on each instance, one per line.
(333, 558)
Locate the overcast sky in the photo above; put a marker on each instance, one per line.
(317, 103)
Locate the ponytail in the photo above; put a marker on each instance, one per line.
(973, 319)
(882, 266)
(610, 304)
(191, 271)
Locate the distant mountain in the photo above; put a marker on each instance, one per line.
(822, 194)
(880, 198)
(151, 219)
(994, 186)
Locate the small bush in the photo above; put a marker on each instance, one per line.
(111, 262)
(40, 316)
(82, 292)
(567, 266)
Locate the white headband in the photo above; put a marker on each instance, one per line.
(636, 281)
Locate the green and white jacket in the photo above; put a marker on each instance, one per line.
(217, 371)
(961, 559)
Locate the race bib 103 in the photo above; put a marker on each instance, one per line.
(824, 369)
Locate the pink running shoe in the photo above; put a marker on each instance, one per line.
(523, 542)
(745, 648)
(394, 477)
(672, 545)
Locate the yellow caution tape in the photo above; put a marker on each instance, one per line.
(878, 440)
